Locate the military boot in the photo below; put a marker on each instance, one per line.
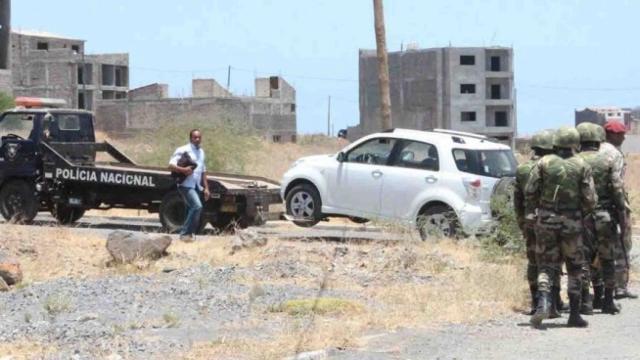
(608, 306)
(554, 313)
(575, 320)
(598, 291)
(622, 293)
(533, 289)
(586, 305)
(542, 308)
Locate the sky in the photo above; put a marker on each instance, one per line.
(567, 54)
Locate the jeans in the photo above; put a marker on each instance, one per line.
(194, 208)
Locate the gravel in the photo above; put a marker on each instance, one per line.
(138, 316)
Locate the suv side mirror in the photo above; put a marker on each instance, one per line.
(342, 157)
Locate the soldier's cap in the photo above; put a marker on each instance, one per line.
(615, 127)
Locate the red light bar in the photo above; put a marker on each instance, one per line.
(33, 102)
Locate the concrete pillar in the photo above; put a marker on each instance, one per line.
(5, 33)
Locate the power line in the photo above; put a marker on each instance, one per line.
(571, 88)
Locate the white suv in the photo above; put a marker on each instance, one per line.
(438, 179)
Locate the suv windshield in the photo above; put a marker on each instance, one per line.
(492, 163)
(18, 124)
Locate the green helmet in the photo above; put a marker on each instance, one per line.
(602, 134)
(588, 132)
(566, 137)
(542, 140)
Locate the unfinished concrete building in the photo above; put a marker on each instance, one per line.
(48, 65)
(271, 112)
(464, 89)
(5, 46)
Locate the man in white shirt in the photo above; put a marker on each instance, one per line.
(194, 183)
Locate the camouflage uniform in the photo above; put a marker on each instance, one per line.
(539, 143)
(561, 189)
(622, 269)
(611, 200)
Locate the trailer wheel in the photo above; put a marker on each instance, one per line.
(66, 214)
(18, 202)
(173, 212)
(228, 223)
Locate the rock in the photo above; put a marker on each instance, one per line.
(255, 292)
(10, 270)
(127, 247)
(87, 317)
(247, 239)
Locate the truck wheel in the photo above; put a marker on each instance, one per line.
(173, 212)
(18, 202)
(438, 221)
(66, 214)
(304, 205)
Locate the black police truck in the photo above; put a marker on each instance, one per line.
(50, 161)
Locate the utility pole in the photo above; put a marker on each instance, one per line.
(329, 117)
(228, 77)
(383, 65)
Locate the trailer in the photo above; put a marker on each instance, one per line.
(50, 161)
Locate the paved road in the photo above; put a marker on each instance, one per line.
(607, 337)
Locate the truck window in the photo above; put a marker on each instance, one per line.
(18, 124)
(68, 122)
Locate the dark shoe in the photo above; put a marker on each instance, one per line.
(586, 303)
(608, 306)
(575, 320)
(542, 309)
(598, 291)
(622, 293)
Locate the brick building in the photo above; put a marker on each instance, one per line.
(271, 112)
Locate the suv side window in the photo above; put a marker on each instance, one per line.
(417, 155)
(374, 151)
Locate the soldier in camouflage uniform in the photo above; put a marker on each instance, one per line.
(541, 145)
(561, 190)
(615, 134)
(610, 206)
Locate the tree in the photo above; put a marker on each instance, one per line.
(383, 65)
(6, 101)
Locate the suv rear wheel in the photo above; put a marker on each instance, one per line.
(18, 201)
(438, 221)
(304, 204)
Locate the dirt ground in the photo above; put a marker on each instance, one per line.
(200, 302)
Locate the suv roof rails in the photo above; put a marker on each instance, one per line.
(461, 133)
(389, 130)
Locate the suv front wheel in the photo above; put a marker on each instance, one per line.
(438, 221)
(304, 205)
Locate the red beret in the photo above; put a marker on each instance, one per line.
(615, 127)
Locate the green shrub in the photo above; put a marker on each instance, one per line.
(506, 239)
(320, 306)
(6, 101)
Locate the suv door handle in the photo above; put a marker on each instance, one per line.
(376, 173)
(431, 179)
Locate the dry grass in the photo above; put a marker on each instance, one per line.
(273, 160)
(25, 350)
(463, 289)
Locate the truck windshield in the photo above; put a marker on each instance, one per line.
(18, 124)
(492, 163)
